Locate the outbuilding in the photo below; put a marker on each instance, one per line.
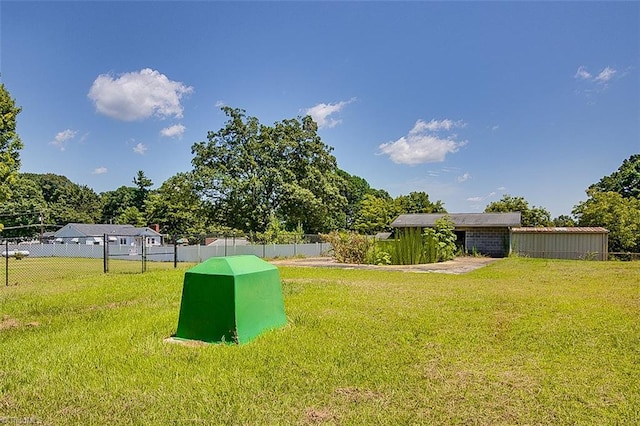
(484, 233)
(589, 243)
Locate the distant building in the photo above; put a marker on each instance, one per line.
(485, 233)
(90, 234)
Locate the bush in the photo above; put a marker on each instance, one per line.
(348, 247)
(446, 238)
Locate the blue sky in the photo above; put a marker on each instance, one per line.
(465, 101)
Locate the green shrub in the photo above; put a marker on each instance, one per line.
(348, 247)
(446, 238)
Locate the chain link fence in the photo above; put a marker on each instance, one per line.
(72, 256)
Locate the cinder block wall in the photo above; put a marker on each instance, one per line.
(492, 242)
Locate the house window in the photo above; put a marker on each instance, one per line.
(123, 241)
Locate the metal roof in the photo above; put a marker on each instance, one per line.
(562, 230)
(462, 220)
(87, 229)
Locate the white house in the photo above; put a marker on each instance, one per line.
(90, 234)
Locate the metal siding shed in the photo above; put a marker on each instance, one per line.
(561, 242)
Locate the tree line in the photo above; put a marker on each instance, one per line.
(259, 179)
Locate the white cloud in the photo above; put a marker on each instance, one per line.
(62, 138)
(602, 78)
(175, 131)
(138, 95)
(582, 74)
(481, 198)
(321, 113)
(465, 177)
(605, 75)
(420, 146)
(220, 104)
(140, 148)
(435, 125)
(99, 171)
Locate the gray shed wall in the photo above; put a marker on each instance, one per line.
(560, 245)
(488, 241)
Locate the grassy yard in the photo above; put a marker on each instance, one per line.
(521, 341)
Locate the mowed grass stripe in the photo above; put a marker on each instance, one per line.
(520, 341)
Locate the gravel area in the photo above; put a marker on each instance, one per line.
(460, 265)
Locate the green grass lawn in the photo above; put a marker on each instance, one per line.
(521, 341)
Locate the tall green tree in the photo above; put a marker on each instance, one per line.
(353, 189)
(625, 181)
(417, 202)
(375, 215)
(142, 188)
(25, 211)
(131, 216)
(620, 215)
(66, 201)
(114, 203)
(614, 203)
(10, 144)
(176, 206)
(248, 173)
(531, 216)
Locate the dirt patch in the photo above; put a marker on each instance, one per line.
(459, 265)
(323, 415)
(7, 322)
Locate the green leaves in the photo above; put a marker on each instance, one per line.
(621, 216)
(614, 203)
(625, 181)
(247, 172)
(531, 216)
(10, 143)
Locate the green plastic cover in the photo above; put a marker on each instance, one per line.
(230, 299)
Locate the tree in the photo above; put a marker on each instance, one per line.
(23, 213)
(620, 215)
(625, 181)
(353, 189)
(131, 216)
(531, 216)
(142, 189)
(176, 207)
(374, 215)
(248, 172)
(10, 144)
(66, 202)
(114, 203)
(564, 221)
(417, 202)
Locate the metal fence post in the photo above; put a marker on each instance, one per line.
(144, 254)
(175, 252)
(6, 260)
(105, 253)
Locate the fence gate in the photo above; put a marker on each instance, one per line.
(135, 254)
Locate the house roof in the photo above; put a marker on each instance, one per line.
(461, 220)
(86, 229)
(561, 230)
